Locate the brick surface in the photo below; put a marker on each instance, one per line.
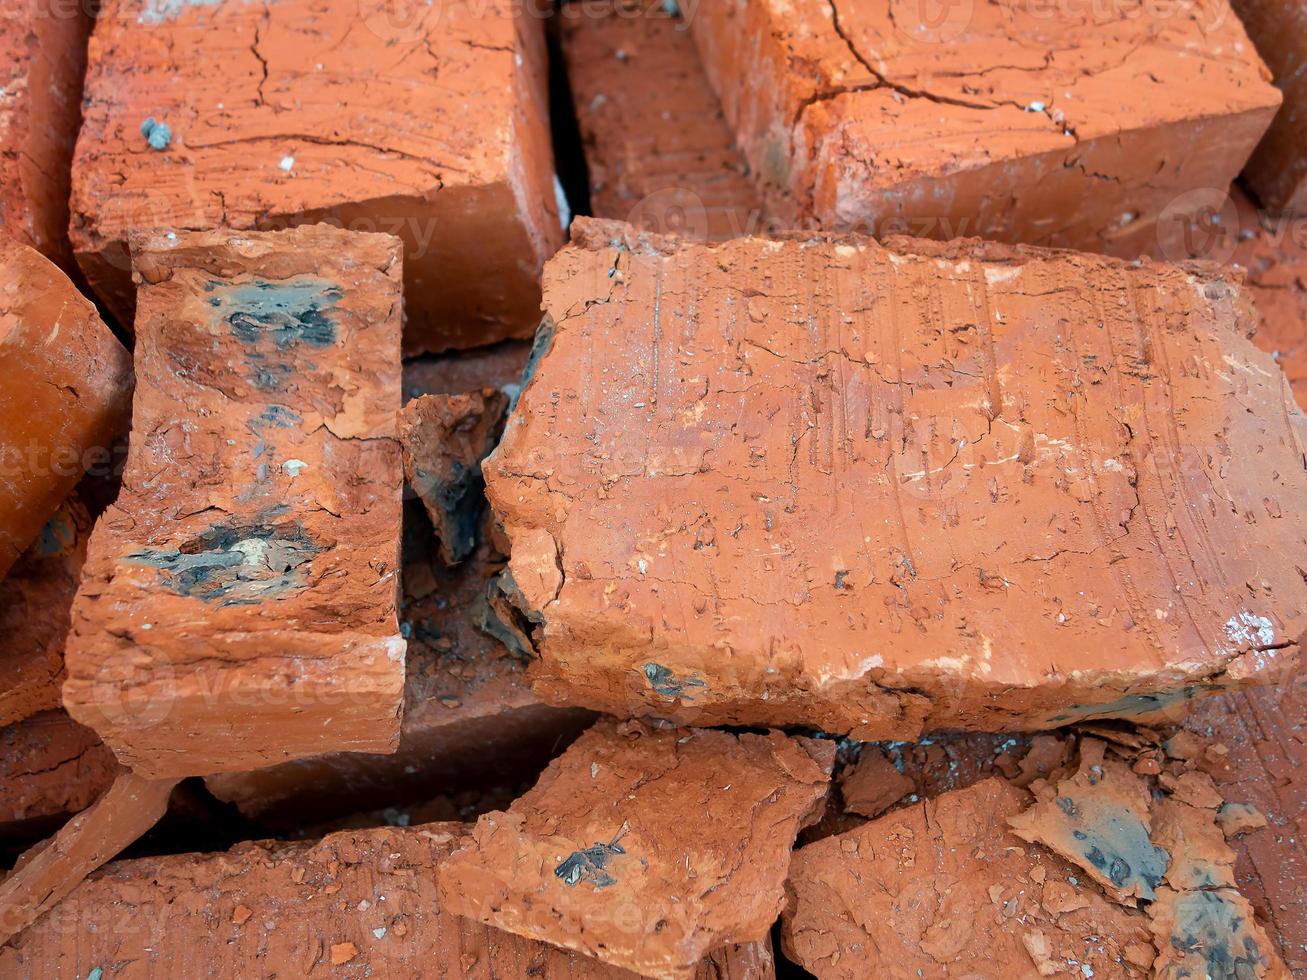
(945, 889)
(238, 603)
(1051, 125)
(424, 121)
(355, 904)
(43, 51)
(659, 155)
(882, 490)
(1278, 168)
(66, 393)
(645, 848)
(35, 599)
(470, 718)
(50, 768)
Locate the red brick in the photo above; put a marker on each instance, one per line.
(944, 889)
(882, 490)
(1048, 124)
(34, 603)
(426, 122)
(645, 848)
(497, 366)
(43, 50)
(364, 898)
(658, 150)
(470, 718)
(50, 768)
(66, 393)
(1278, 168)
(238, 605)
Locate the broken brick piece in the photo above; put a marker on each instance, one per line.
(43, 51)
(35, 599)
(48, 872)
(1067, 127)
(366, 898)
(470, 718)
(444, 438)
(238, 603)
(659, 156)
(1210, 932)
(444, 143)
(942, 888)
(66, 394)
(643, 847)
(904, 486)
(50, 767)
(873, 784)
(1278, 168)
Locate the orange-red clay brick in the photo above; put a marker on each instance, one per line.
(238, 605)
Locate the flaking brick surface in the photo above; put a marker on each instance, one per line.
(889, 489)
(238, 605)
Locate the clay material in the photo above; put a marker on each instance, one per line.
(941, 889)
(444, 438)
(50, 768)
(238, 603)
(470, 718)
(34, 605)
(1278, 168)
(66, 393)
(428, 122)
(873, 784)
(47, 873)
(645, 848)
(43, 51)
(363, 901)
(1051, 125)
(882, 490)
(658, 151)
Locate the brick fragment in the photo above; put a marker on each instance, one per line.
(470, 718)
(660, 156)
(50, 768)
(35, 599)
(43, 51)
(1066, 127)
(281, 909)
(238, 603)
(444, 438)
(1278, 168)
(645, 848)
(429, 123)
(66, 393)
(873, 784)
(908, 487)
(44, 875)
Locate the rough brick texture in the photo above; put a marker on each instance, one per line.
(1045, 124)
(43, 51)
(470, 718)
(50, 767)
(425, 121)
(355, 904)
(66, 393)
(943, 889)
(883, 490)
(35, 599)
(238, 605)
(659, 154)
(645, 848)
(1278, 168)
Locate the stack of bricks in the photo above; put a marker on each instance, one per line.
(812, 565)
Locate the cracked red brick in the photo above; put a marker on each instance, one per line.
(444, 143)
(50, 768)
(238, 605)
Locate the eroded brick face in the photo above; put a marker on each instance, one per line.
(66, 393)
(426, 121)
(1077, 126)
(238, 606)
(890, 489)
